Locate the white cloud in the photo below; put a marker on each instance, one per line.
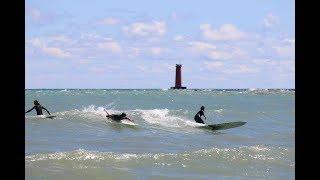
(53, 51)
(213, 65)
(288, 65)
(97, 70)
(264, 62)
(275, 48)
(277, 66)
(90, 36)
(270, 20)
(133, 52)
(56, 52)
(37, 42)
(142, 68)
(290, 41)
(142, 29)
(176, 16)
(83, 61)
(153, 39)
(60, 38)
(153, 69)
(110, 21)
(35, 14)
(199, 47)
(112, 46)
(156, 50)
(211, 51)
(178, 38)
(39, 17)
(284, 51)
(219, 55)
(224, 33)
(240, 69)
(261, 50)
(103, 68)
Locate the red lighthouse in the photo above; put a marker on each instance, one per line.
(178, 78)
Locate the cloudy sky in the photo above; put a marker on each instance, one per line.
(136, 43)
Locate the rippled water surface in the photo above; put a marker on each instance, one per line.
(80, 143)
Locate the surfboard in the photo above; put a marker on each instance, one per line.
(40, 117)
(128, 123)
(124, 122)
(223, 125)
(50, 116)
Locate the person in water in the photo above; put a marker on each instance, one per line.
(197, 117)
(38, 108)
(117, 117)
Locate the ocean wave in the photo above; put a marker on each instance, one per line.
(243, 155)
(36, 117)
(163, 117)
(219, 111)
(160, 117)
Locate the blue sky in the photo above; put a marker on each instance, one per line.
(136, 44)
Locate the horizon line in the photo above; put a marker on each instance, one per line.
(154, 88)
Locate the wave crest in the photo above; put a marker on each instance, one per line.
(246, 154)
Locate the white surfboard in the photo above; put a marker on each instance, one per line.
(128, 123)
(50, 116)
(39, 117)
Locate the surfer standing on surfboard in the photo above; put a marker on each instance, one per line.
(38, 108)
(117, 117)
(197, 117)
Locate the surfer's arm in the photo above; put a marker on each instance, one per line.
(46, 110)
(107, 113)
(30, 109)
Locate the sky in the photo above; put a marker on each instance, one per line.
(137, 43)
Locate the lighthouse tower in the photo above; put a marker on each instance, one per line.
(178, 78)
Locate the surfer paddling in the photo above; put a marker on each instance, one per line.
(197, 117)
(117, 117)
(38, 108)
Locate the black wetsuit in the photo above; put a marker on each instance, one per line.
(38, 109)
(197, 117)
(117, 117)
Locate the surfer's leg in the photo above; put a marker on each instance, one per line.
(198, 119)
(201, 121)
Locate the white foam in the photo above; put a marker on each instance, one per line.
(218, 110)
(93, 111)
(128, 122)
(259, 148)
(99, 110)
(243, 154)
(36, 117)
(163, 118)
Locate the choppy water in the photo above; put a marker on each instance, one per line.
(82, 144)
